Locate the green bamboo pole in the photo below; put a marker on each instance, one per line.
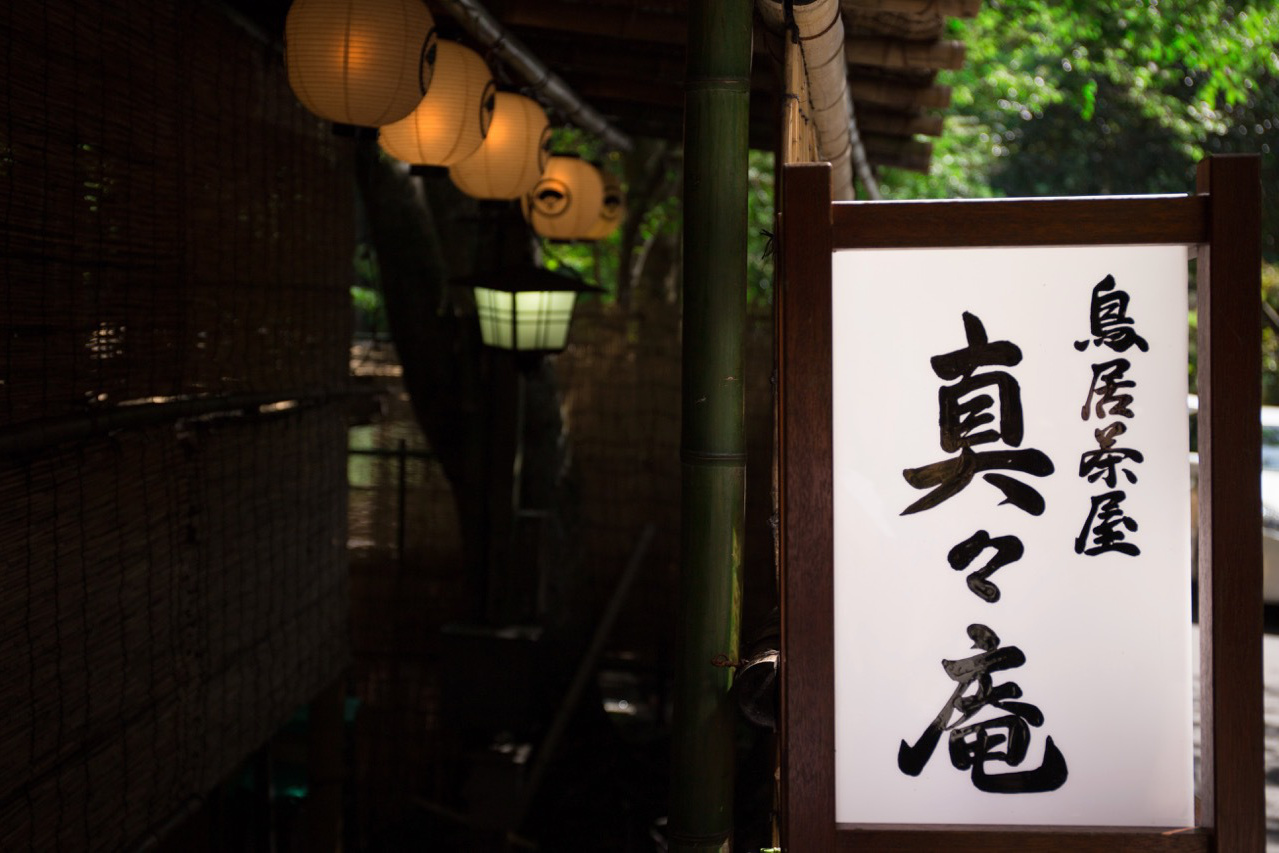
(713, 444)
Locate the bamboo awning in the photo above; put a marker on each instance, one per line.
(626, 59)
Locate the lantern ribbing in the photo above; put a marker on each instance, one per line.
(510, 160)
(451, 121)
(359, 62)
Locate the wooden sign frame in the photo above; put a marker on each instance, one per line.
(1221, 222)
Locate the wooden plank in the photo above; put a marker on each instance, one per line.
(898, 53)
(1230, 610)
(605, 89)
(589, 19)
(950, 8)
(911, 161)
(1021, 222)
(807, 522)
(894, 123)
(898, 152)
(903, 96)
(1060, 839)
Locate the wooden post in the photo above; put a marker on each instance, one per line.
(1230, 611)
(713, 437)
(807, 543)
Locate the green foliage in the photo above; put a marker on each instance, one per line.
(1112, 96)
(366, 297)
(1269, 338)
(1106, 96)
(759, 219)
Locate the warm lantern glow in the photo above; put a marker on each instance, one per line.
(510, 160)
(613, 209)
(566, 202)
(450, 122)
(360, 62)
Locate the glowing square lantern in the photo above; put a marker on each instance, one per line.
(450, 122)
(525, 309)
(565, 203)
(359, 62)
(510, 160)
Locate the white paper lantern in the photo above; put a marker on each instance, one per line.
(612, 210)
(450, 122)
(566, 201)
(359, 62)
(510, 160)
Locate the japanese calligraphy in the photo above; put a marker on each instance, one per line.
(1105, 526)
(966, 421)
(986, 724)
(1004, 722)
(1110, 395)
(1109, 321)
(1008, 549)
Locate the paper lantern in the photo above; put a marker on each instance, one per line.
(613, 209)
(525, 309)
(566, 201)
(450, 122)
(359, 62)
(510, 160)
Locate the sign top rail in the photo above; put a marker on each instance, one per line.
(1092, 220)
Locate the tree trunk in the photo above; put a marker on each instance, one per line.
(464, 395)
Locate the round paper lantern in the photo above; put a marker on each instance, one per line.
(360, 62)
(566, 201)
(450, 122)
(510, 160)
(613, 209)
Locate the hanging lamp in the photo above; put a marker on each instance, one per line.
(612, 210)
(450, 122)
(526, 309)
(359, 62)
(510, 160)
(566, 201)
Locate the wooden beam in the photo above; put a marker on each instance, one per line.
(1230, 607)
(593, 20)
(894, 123)
(896, 53)
(569, 55)
(906, 162)
(572, 59)
(949, 8)
(877, 143)
(604, 89)
(894, 25)
(898, 152)
(610, 22)
(1105, 221)
(657, 123)
(902, 96)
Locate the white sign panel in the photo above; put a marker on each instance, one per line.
(1012, 546)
